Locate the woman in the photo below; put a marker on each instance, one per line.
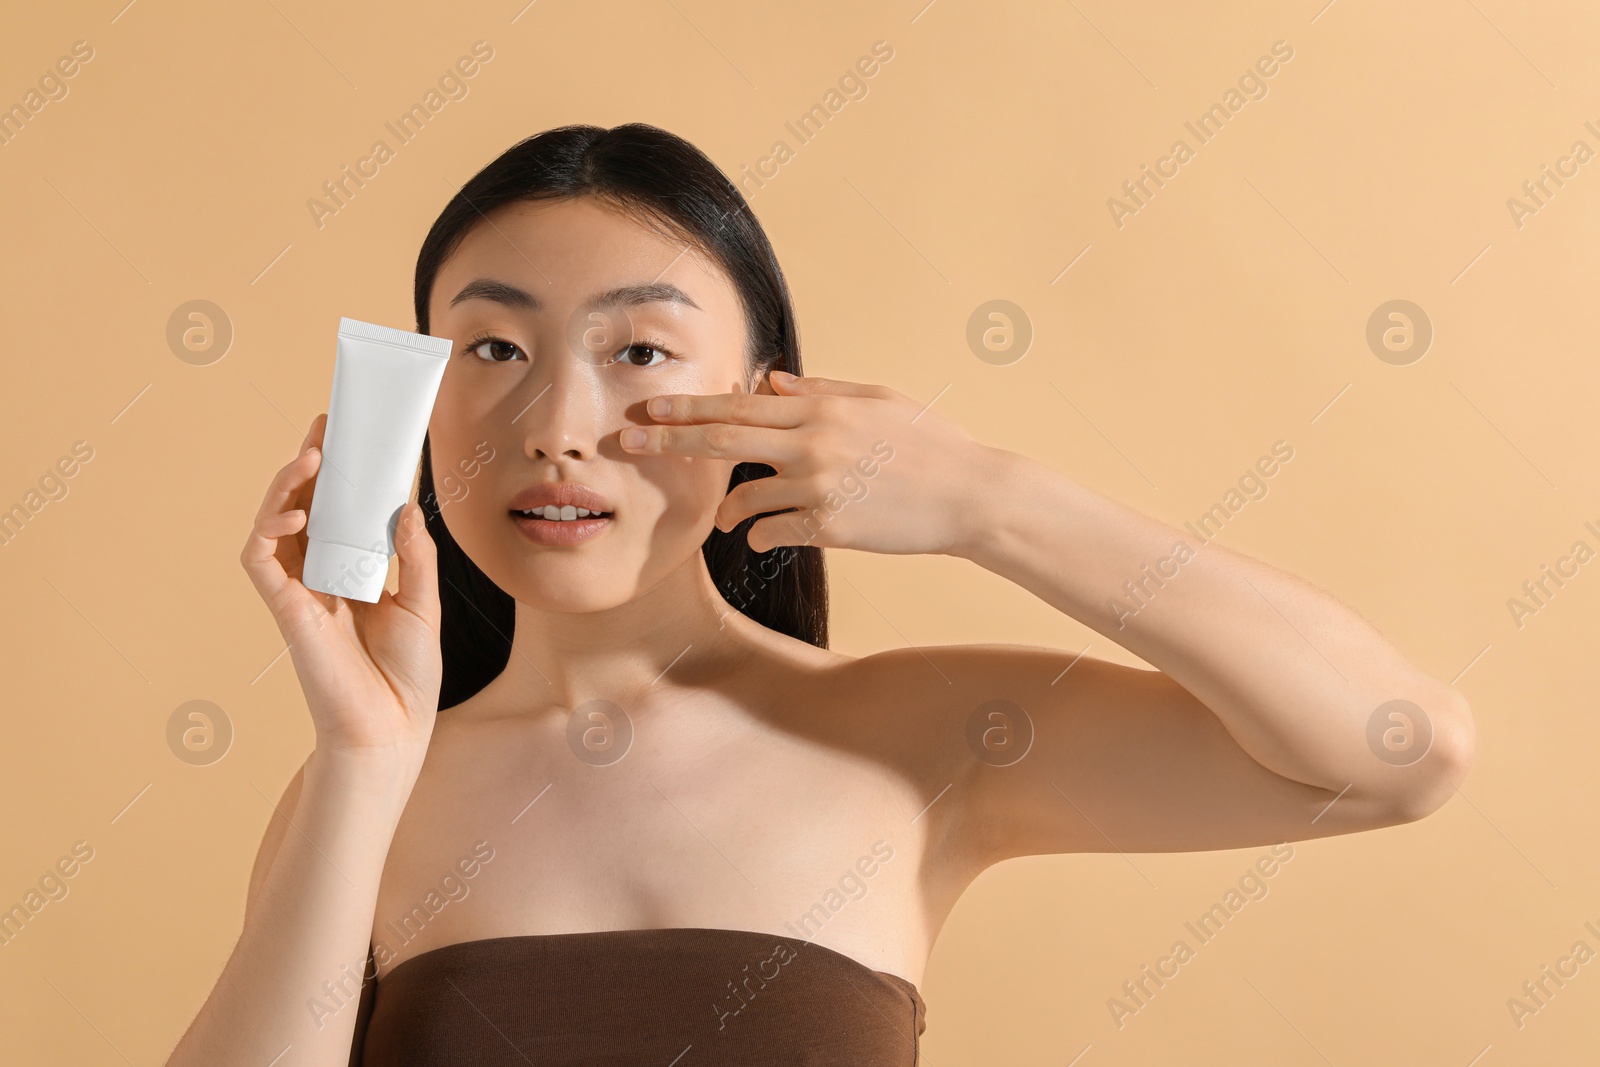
(658, 820)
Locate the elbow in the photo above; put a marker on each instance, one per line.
(1422, 788)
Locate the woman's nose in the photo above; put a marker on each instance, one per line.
(565, 418)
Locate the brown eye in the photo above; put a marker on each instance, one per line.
(647, 347)
(498, 351)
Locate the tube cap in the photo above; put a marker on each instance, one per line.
(353, 573)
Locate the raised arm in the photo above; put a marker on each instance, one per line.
(1276, 712)
(371, 676)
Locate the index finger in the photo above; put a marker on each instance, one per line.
(289, 481)
(319, 425)
(738, 409)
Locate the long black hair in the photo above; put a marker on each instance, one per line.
(662, 180)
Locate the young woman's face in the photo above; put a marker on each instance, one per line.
(539, 387)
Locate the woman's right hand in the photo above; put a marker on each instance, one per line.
(370, 672)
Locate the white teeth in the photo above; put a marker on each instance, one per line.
(561, 514)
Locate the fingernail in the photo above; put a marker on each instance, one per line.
(658, 406)
(782, 375)
(633, 437)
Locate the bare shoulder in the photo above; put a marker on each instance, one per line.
(1049, 751)
(945, 685)
(934, 715)
(946, 710)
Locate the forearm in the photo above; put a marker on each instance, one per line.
(310, 924)
(1293, 674)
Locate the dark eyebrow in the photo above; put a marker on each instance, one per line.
(621, 296)
(631, 295)
(499, 292)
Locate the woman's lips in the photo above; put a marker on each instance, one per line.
(560, 531)
(559, 494)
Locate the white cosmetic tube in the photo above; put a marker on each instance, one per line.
(384, 385)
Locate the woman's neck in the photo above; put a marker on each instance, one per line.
(681, 631)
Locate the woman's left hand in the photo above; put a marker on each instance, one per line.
(865, 466)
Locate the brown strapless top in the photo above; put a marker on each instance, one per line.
(676, 997)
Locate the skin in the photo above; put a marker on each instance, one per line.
(762, 768)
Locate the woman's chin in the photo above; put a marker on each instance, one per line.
(563, 586)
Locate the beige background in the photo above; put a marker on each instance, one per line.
(1228, 313)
